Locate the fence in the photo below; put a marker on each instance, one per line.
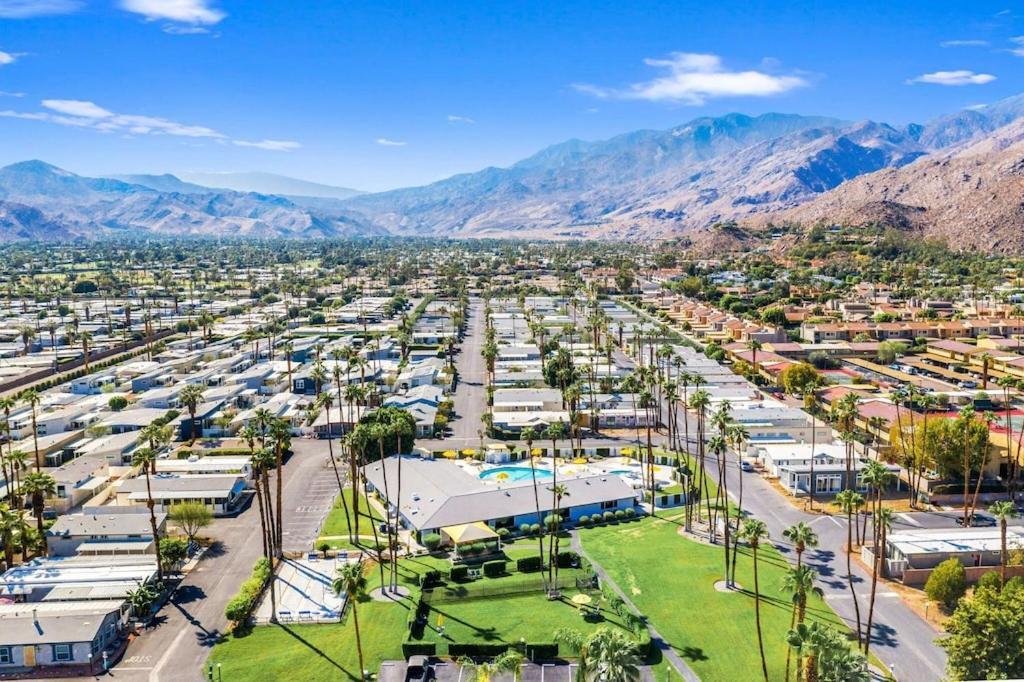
(496, 588)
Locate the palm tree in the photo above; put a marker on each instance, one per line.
(85, 338)
(509, 662)
(558, 492)
(145, 458)
(17, 460)
(280, 433)
(553, 432)
(8, 525)
(798, 581)
(31, 396)
(351, 582)
(606, 654)
(802, 536)
(39, 486)
(754, 345)
(1003, 510)
(753, 531)
(528, 436)
(850, 501)
(191, 396)
(882, 524)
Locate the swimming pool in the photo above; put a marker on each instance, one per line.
(513, 474)
(625, 472)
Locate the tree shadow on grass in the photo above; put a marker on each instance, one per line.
(320, 652)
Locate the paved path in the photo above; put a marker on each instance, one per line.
(470, 397)
(177, 647)
(666, 649)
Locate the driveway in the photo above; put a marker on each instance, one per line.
(176, 647)
(470, 397)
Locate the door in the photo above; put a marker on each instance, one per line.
(30, 656)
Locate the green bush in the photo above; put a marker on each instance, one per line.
(529, 564)
(430, 578)
(947, 583)
(620, 514)
(503, 533)
(432, 541)
(524, 528)
(534, 528)
(551, 521)
(459, 573)
(584, 520)
(542, 651)
(991, 579)
(630, 513)
(608, 516)
(567, 559)
(242, 604)
(476, 650)
(419, 649)
(493, 569)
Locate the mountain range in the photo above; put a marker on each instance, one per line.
(644, 184)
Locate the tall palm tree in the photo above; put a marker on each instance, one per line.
(718, 446)
(850, 500)
(191, 396)
(882, 523)
(351, 582)
(553, 432)
(753, 531)
(754, 345)
(798, 581)
(17, 461)
(802, 536)
(605, 655)
(32, 398)
(528, 436)
(85, 338)
(509, 662)
(280, 434)
(8, 526)
(144, 458)
(558, 492)
(39, 486)
(1003, 510)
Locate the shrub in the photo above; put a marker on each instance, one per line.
(947, 583)
(117, 403)
(551, 521)
(410, 649)
(567, 559)
(620, 514)
(430, 578)
(432, 541)
(608, 516)
(503, 533)
(524, 528)
(476, 650)
(542, 651)
(584, 520)
(459, 573)
(493, 569)
(529, 564)
(991, 579)
(324, 547)
(534, 529)
(630, 513)
(242, 604)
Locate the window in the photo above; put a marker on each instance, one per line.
(61, 652)
(828, 484)
(609, 504)
(6, 657)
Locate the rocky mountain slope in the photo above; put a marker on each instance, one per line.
(971, 196)
(67, 205)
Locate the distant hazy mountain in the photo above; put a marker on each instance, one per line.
(165, 183)
(972, 196)
(661, 183)
(41, 201)
(268, 183)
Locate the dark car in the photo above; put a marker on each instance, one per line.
(978, 520)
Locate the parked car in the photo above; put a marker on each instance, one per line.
(746, 466)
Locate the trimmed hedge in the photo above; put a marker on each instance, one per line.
(459, 573)
(494, 568)
(567, 559)
(476, 650)
(242, 604)
(419, 649)
(529, 564)
(542, 651)
(430, 579)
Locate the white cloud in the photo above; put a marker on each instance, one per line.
(5, 93)
(959, 77)
(964, 43)
(179, 30)
(692, 78)
(24, 9)
(7, 58)
(1019, 42)
(390, 143)
(976, 107)
(85, 114)
(185, 11)
(452, 118)
(269, 145)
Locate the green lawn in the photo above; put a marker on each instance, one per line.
(336, 523)
(671, 580)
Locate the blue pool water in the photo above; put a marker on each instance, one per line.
(625, 472)
(513, 473)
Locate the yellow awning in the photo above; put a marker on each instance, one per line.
(469, 532)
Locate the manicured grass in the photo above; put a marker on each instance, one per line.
(671, 580)
(337, 524)
(314, 652)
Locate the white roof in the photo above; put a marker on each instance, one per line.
(954, 540)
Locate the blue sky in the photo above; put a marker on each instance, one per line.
(375, 95)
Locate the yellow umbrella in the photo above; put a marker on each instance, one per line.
(627, 452)
(502, 476)
(582, 599)
(449, 454)
(536, 451)
(580, 460)
(469, 452)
